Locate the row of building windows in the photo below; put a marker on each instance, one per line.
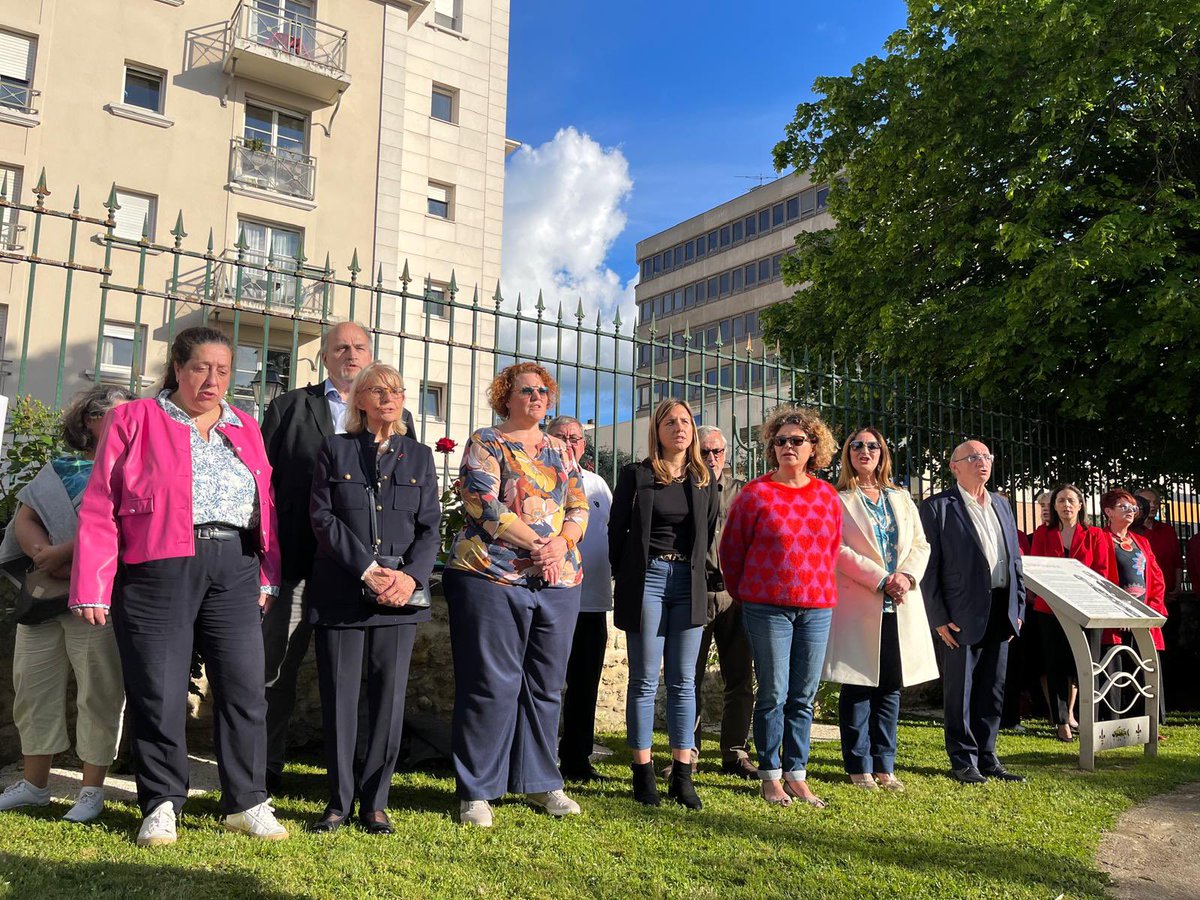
(730, 331)
(732, 281)
(804, 205)
(733, 376)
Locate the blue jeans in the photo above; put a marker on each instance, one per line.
(788, 644)
(868, 719)
(667, 638)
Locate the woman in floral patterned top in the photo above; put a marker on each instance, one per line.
(512, 587)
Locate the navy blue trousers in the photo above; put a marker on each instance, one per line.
(510, 646)
(869, 716)
(973, 691)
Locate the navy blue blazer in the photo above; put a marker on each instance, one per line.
(408, 526)
(957, 584)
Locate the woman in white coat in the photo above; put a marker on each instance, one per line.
(879, 639)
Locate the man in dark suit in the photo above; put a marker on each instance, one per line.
(975, 597)
(293, 429)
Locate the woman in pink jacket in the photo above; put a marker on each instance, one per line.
(177, 541)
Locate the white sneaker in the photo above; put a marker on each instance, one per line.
(257, 821)
(88, 805)
(556, 803)
(24, 794)
(158, 828)
(475, 812)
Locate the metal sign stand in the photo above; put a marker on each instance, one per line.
(1085, 604)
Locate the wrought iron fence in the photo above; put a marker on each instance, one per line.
(448, 342)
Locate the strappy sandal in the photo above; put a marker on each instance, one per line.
(784, 801)
(813, 801)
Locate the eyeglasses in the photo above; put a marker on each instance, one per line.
(975, 457)
(793, 440)
(529, 390)
(382, 394)
(1125, 507)
(712, 451)
(577, 439)
(871, 446)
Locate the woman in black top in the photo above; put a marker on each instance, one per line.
(375, 513)
(663, 517)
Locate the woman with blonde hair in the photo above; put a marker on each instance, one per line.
(664, 514)
(375, 511)
(879, 639)
(779, 550)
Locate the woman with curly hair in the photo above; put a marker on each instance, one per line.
(512, 587)
(779, 553)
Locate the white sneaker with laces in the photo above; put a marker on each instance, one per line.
(556, 803)
(257, 821)
(24, 794)
(88, 805)
(158, 828)
(475, 812)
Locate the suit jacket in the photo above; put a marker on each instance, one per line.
(629, 543)
(852, 654)
(407, 509)
(295, 426)
(727, 489)
(958, 583)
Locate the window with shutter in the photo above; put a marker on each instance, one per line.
(135, 217)
(16, 70)
(10, 187)
(448, 13)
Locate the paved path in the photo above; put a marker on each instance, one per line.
(1153, 852)
(64, 783)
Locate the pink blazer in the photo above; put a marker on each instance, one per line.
(138, 503)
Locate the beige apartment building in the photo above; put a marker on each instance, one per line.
(703, 284)
(321, 127)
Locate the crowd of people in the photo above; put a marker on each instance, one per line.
(176, 524)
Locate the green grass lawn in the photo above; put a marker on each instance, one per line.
(937, 840)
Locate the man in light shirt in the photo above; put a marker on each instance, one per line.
(975, 598)
(591, 628)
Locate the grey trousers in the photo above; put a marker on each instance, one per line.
(286, 636)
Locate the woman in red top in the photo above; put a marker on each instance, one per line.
(1067, 535)
(779, 552)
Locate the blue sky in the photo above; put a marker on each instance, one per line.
(691, 94)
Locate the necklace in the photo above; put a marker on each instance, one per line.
(1125, 543)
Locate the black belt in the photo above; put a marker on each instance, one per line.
(218, 533)
(672, 557)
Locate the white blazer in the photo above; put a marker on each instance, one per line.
(852, 655)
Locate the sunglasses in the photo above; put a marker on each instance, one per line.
(530, 390)
(872, 446)
(792, 441)
(711, 452)
(1125, 507)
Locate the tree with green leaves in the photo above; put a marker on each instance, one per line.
(1016, 199)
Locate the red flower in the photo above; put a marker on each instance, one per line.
(445, 445)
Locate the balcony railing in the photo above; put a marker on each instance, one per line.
(18, 96)
(270, 168)
(277, 28)
(10, 236)
(268, 284)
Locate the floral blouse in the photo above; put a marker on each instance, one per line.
(499, 483)
(887, 536)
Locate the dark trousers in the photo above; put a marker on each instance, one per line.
(286, 636)
(341, 653)
(1060, 665)
(737, 671)
(584, 668)
(868, 716)
(973, 691)
(510, 646)
(159, 608)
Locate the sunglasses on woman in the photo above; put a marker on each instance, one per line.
(792, 440)
(529, 390)
(871, 446)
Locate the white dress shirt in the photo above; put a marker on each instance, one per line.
(596, 591)
(991, 538)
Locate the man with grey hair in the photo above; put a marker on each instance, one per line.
(586, 663)
(974, 594)
(725, 627)
(294, 427)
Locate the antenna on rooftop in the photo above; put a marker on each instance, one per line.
(759, 178)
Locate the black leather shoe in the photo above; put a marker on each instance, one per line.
(580, 774)
(378, 823)
(1002, 774)
(968, 775)
(740, 768)
(327, 825)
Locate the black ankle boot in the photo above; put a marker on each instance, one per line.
(645, 787)
(682, 790)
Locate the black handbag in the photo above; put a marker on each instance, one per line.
(420, 598)
(42, 598)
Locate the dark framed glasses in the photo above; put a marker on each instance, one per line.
(870, 446)
(529, 390)
(712, 451)
(792, 440)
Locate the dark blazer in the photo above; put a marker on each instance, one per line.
(957, 584)
(293, 429)
(340, 514)
(629, 543)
